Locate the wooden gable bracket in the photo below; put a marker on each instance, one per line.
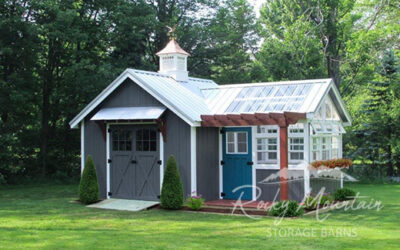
(162, 125)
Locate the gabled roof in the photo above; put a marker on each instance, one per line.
(189, 100)
(182, 101)
(172, 47)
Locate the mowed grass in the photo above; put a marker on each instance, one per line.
(43, 217)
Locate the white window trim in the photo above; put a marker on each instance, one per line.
(235, 143)
(329, 146)
(271, 164)
(302, 135)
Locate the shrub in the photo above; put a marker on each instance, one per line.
(89, 187)
(311, 202)
(172, 190)
(286, 209)
(343, 194)
(195, 202)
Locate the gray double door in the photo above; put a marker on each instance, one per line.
(135, 162)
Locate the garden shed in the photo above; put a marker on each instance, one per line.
(250, 141)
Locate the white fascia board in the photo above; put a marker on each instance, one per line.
(342, 105)
(98, 99)
(115, 84)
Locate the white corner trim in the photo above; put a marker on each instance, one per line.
(254, 159)
(341, 179)
(108, 157)
(82, 145)
(162, 160)
(193, 167)
(219, 163)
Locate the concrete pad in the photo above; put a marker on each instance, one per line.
(124, 205)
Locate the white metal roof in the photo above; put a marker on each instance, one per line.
(189, 100)
(129, 113)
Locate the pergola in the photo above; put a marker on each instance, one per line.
(283, 120)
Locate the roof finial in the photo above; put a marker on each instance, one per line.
(171, 33)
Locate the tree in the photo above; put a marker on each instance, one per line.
(172, 190)
(89, 187)
(328, 22)
(233, 40)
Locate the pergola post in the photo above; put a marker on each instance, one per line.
(283, 149)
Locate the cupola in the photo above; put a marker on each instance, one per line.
(173, 61)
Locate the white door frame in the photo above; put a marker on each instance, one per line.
(161, 143)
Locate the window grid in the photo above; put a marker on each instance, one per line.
(146, 140)
(236, 142)
(121, 140)
(296, 148)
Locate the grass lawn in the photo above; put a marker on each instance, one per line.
(44, 217)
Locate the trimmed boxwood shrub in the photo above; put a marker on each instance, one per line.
(172, 190)
(286, 209)
(343, 194)
(89, 187)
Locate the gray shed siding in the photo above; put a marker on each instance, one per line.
(207, 162)
(178, 144)
(269, 190)
(95, 146)
(130, 94)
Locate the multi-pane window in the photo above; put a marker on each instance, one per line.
(296, 142)
(325, 143)
(146, 140)
(325, 148)
(267, 144)
(121, 140)
(236, 142)
(267, 150)
(296, 148)
(315, 148)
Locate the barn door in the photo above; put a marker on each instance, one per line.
(121, 166)
(147, 158)
(135, 169)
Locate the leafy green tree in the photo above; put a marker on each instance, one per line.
(172, 190)
(89, 187)
(233, 40)
(325, 21)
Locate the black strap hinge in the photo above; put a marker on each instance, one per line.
(133, 161)
(109, 160)
(159, 162)
(222, 163)
(222, 194)
(109, 193)
(250, 163)
(109, 130)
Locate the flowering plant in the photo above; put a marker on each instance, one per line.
(341, 163)
(195, 202)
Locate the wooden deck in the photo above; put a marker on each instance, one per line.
(235, 203)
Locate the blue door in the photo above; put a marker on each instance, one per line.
(237, 169)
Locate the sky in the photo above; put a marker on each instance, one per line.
(257, 5)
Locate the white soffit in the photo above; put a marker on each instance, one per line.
(129, 113)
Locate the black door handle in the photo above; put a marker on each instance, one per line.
(133, 161)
